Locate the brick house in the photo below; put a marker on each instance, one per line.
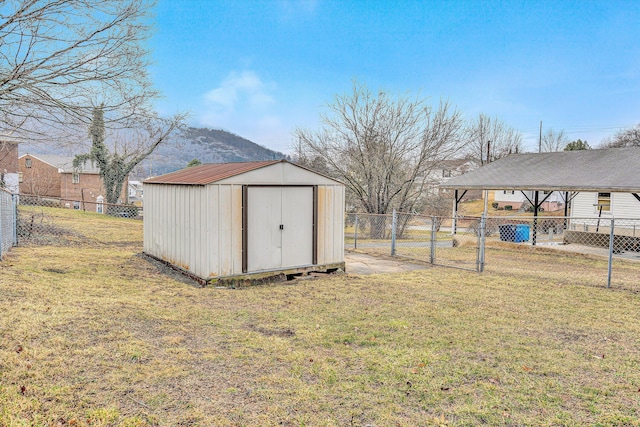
(9, 175)
(53, 176)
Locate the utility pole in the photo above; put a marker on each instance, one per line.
(540, 139)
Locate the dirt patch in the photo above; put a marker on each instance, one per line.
(357, 263)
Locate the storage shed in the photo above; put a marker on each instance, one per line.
(245, 220)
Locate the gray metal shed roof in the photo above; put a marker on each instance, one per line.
(611, 170)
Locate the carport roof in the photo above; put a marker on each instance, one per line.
(611, 170)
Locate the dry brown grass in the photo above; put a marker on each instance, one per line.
(93, 334)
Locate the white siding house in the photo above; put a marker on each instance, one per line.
(516, 199)
(617, 205)
(245, 220)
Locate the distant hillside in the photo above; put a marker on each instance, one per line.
(206, 145)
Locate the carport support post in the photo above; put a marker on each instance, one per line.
(611, 240)
(536, 206)
(433, 240)
(393, 233)
(454, 220)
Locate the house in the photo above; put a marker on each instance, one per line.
(9, 173)
(605, 204)
(135, 192)
(234, 221)
(447, 169)
(517, 199)
(51, 176)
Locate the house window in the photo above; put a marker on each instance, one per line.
(27, 163)
(76, 205)
(75, 178)
(446, 173)
(99, 204)
(604, 202)
(509, 192)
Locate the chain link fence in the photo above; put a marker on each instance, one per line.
(7, 222)
(597, 251)
(418, 237)
(36, 223)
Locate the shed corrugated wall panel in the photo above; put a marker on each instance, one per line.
(209, 244)
(330, 224)
(224, 235)
(322, 225)
(236, 228)
(338, 219)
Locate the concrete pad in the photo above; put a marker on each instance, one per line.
(357, 263)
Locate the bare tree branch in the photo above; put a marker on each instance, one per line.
(490, 139)
(381, 147)
(61, 58)
(553, 141)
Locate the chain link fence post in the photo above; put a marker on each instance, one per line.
(14, 210)
(355, 233)
(433, 240)
(481, 243)
(611, 244)
(393, 232)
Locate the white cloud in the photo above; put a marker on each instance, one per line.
(295, 8)
(240, 90)
(245, 105)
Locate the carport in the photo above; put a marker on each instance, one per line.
(612, 170)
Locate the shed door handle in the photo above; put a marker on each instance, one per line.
(281, 226)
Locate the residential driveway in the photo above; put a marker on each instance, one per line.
(366, 264)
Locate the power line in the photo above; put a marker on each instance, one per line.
(577, 129)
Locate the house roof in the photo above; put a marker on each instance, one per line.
(63, 163)
(614, 170)
(208, 173)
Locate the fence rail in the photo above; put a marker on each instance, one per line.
(497, 242)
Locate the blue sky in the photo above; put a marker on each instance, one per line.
(262, 68)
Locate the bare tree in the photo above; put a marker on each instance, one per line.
(60, 59)
(490, 139)
(553, 141)
(127, 149)
(382, 147)
(629, 137)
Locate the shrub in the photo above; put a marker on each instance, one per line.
(508, 207)
(494, 205)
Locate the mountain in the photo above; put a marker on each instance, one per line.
(206, 145)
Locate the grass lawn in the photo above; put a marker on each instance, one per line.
(91, 334)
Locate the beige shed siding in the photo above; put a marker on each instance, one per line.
(330, 224)
(229, 230)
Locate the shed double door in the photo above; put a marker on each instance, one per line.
(279, 227)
